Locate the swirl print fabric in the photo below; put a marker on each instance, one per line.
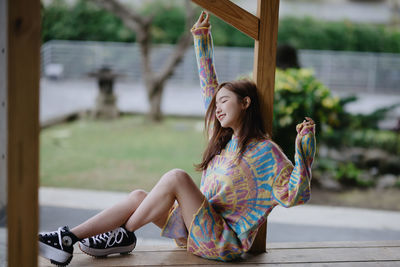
(240, 192)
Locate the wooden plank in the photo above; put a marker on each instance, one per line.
(329, 264)
(145, 257)
(337, 244)
(322, 255)
(23, 130)
(302, 256)
(232, 14)
(264, 77)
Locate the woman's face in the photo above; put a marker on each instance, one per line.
(228, 109)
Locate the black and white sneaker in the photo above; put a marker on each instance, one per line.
(57, 246)
(118, 240)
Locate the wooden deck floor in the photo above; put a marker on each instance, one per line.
(381, 253)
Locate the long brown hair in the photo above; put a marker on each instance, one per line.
(251, 121)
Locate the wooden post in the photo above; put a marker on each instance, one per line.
(263, 28)
(264, 77)
(265, 56)
(23, 74)
(3, 130)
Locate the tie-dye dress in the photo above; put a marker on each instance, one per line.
(239, 194)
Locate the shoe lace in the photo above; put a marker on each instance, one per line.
(119, 232)
(111, 237)
(58, 233)
(100, 238)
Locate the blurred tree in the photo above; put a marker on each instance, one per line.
(83, 21)
(141, 25)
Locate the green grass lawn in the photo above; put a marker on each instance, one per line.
(120, 155)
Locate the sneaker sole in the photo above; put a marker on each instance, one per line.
(61, 257)
(107, 251)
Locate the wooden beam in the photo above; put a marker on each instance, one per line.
(264, 77)
(232, 14)
(23, 130)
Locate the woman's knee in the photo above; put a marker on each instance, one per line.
(178, 177)
(137, 195)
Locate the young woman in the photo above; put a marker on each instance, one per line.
(245, 175)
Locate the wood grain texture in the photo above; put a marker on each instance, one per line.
(265, 56)
(232, 14)
(259, 244)
(298, 254)
(23, 130)
(3, 114)
(264, 77)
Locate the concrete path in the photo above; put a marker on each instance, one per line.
(60, 98)
(298, 224)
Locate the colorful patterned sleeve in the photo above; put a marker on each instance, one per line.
(292, 185)
(204, 50)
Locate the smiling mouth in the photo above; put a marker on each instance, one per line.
(220, 117)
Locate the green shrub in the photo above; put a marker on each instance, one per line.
(299, 94)
(397, 183)
(362, 130)
(346, 173)
(371, 120)
(85, 21)
(309, 33)
(368, 138)
(349, 174)
(82, 21)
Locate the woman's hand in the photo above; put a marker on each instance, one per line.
(202, 21)
(305, 124)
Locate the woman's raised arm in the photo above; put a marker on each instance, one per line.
(292, 186)
(204, 50)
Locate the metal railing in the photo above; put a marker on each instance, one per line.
(339, 70)
(355, 71)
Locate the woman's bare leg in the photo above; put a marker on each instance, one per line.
(110, 218)
(175, 184)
